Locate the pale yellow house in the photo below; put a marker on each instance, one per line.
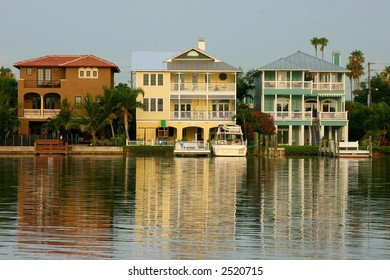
(187, 94)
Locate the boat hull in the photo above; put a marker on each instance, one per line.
(229, 150)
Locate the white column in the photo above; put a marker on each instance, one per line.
(302, 135)
(290, 135)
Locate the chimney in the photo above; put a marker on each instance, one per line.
(336, 59)
(201, 44)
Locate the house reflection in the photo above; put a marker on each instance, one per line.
(62, 211)
(188, 205)
(304, 207)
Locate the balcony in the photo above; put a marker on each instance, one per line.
(333, 116)
(42, 84)
(201, 115)
(291, 116)
(203, 87)
(308, 85)
(40, 114)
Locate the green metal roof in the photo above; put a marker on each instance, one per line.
(303, 61)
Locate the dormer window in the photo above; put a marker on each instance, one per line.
(88, 73)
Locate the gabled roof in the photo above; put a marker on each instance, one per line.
(67, 61)
(192, 54)
(303, 61)
(189, 60)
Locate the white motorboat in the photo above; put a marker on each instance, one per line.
(229, 142)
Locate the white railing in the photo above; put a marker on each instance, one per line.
(302, 85)
(149, 143)
(296, 116)
(328, 86)
(333, 115)
(287, 85)
(203, 87)
(201, 115)
(192, 146)
(39, 113)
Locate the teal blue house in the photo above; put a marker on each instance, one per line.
(305, 96)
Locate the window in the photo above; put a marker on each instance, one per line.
(153, 79)
(160, 81)
(29, 71)
(146, 104)
(160, 103)
(44, 76)
(146, 80)
(329, 106)
(153, 104)
(88, 73)
(77, 102)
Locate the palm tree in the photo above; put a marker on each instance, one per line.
(386, 75)
(315, 42)
(91, 120)
(355, 62)
(109, 102)
(127, 102)
(349, 75)
(323, 42)
(59, 122)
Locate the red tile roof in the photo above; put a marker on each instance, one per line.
(67, 61)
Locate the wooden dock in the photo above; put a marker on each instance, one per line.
(344, 149)
(196, 148)
(50, 146)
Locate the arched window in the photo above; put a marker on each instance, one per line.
(329, 105)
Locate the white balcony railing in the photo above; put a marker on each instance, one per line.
(295, 116)
(341, 116)
(201, 115)
(203, 87)
(302, 85)
(39, 113)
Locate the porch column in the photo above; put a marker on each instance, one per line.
(301, 135)
(322, 132)
(179, 132)
(42, 103)
(290, 135)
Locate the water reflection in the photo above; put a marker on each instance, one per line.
(188, 205)
(194, 208)
(61, 209)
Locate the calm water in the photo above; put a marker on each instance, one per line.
(82, 207)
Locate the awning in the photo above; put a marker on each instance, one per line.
(330, 94)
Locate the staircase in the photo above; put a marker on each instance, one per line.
(315, 135)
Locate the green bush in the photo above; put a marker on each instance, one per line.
(383, 149)
(301, 150)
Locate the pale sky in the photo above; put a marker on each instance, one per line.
(242, 33)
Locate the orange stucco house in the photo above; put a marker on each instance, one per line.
(45, 81)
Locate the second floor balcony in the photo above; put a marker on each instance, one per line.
(42, 84)
(308, 116)
(40, 113)
(203, 87)
(306, 85)
(201, 115)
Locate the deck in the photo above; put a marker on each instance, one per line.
(50, 146)
(199, 148)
